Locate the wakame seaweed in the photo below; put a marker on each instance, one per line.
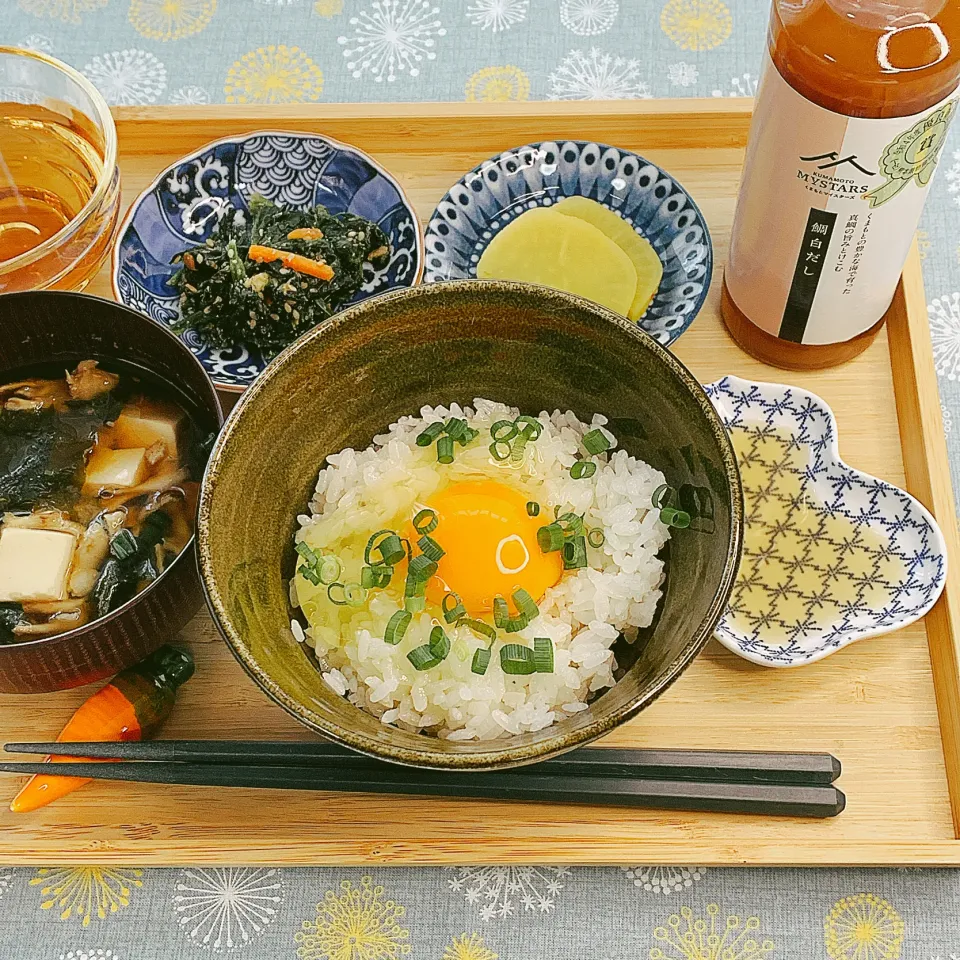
(42, 452)
(230, 297)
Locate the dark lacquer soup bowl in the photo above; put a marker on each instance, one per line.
(52, 332)
(343, 383)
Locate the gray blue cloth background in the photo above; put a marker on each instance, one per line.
(288, 51)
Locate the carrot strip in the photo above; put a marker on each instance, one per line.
(312, 268)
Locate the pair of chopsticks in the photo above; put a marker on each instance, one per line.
(776, 784)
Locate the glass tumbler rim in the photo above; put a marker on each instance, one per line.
(104, 118)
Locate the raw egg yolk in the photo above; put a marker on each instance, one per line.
(491, 546)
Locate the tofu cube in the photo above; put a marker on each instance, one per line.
(115, 468)
(34, 563)
(144, 422)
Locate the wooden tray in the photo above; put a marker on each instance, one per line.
(889, 707)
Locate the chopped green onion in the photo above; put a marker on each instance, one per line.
(675, 518)
(503, 431)
(414, 587)
(452, 607)
(330, 570)
(391, 550)
(543, 654)
(343, 591)
(530, 426)
(439, 643)
(355, 594)
(525, 604)
(517, 659)
(414, 604)
(575, 554)
(425, 521)
(663, 495)
(582, 469)
(430, 548)
(378, 576)
(596, 538)
(306, 552)
(375, 543)
(533, 508)
(500, 450)
(310, 573)
(397, 627)
(501, 612)
(455, 428)
(470, 434)
(571, 523)
(519, 447)
(422, 568)
(481, 660)
(422, 658)
(482, 629)
(516, 624)
(429, 434)
(445, 450)
(596, 442)
(550, 537)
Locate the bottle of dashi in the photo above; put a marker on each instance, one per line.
(852, 113)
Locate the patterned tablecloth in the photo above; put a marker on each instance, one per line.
(283, 51)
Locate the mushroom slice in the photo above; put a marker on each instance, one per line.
(89, 381)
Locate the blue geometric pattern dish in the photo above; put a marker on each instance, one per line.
(497, 191)
(184, 204)
(831, 555)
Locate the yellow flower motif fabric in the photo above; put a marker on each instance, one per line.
(863, 927)
(86, 892)
(493, 84)
(693, 936)
(274, 74)
(696, 24)
(166, 20)
(328, 8)
(70, 11)
(468, 947)
(356, 923)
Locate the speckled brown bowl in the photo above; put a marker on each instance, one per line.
(40, 328)
(345, 381)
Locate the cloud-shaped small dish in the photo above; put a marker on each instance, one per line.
(181, 208)
(831, 555)
(493, 194)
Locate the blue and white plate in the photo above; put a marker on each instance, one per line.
(183, 205)
(831, 555)
(496, 192)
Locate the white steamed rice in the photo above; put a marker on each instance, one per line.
(381, 487)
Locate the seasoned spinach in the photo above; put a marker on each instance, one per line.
(230, 298)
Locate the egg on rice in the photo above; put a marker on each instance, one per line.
(467, 575)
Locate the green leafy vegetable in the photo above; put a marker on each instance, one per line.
(229, 298)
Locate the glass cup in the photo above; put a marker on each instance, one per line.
(59, 179)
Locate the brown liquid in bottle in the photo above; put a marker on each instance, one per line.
(869, 59)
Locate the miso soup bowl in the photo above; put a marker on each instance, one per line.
(46, 327)
(345, 381)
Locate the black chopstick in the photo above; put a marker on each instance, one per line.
(752, 798)
(808, 769)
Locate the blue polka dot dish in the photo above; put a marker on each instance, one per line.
(182, 207)
(658, 208)
(831, 555)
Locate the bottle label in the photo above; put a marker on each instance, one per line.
(828, 208)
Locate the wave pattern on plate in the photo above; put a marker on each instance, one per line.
(187, 201)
